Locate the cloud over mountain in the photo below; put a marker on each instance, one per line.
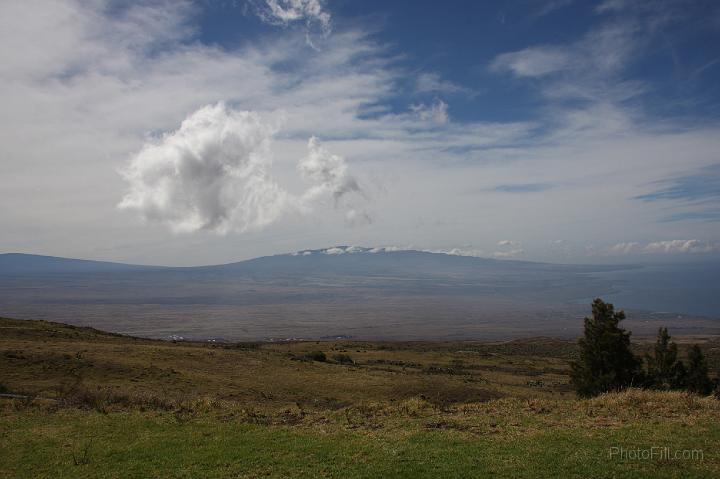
(692, 246)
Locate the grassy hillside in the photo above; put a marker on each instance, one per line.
(114, 406)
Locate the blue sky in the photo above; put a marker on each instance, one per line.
(458, 42)
(213, 131)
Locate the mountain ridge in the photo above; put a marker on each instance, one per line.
(406, 294)
(30, 263)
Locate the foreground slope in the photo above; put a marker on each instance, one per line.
(114, 406)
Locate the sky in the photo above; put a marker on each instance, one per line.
(186, 133)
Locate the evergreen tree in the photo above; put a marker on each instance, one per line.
(606, 362)
(698, 380)
(680, 376)
(664, 371)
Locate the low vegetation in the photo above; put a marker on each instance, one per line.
(104, 405)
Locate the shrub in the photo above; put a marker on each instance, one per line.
(309, 357)
(316, 356)
(102, 399)
(3, 389)
(343, 359)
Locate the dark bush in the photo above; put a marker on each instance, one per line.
(311, 356)
(316, 356)
(102, 399)
(343, 359)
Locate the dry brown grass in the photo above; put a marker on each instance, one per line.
(50, 359)
(473, 387)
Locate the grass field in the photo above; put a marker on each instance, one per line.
(113, 406)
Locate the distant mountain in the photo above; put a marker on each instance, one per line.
(22, 264)
(343, 260)
(364, 293)
(355, 260)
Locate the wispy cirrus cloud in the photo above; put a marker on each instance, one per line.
(553, 5)
(534, 61)
(524, 187)
(581, 68)
(312, 14)
(431, 82)
(436, 112)
(688, 197)
(582, 85)
(701, 185)
(705, 216)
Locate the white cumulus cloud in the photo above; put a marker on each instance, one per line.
(213, 173)
(328, 171)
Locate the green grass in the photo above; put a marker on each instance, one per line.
(136, 444)
(113, 406)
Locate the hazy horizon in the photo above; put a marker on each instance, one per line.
(363, 294)
(641, 260)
